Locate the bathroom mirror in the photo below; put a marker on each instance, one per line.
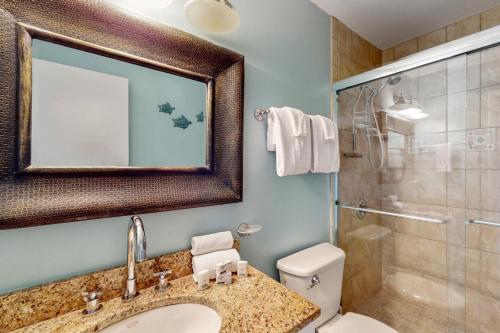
(105, 113)
(96, 110)
(89, 110)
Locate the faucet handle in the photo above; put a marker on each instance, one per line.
(163, 283)
(92, 300)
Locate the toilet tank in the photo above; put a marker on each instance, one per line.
(324, 261)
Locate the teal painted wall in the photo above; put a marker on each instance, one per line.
(153, 141)
(286, 44)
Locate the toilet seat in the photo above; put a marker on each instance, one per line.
(355, 323)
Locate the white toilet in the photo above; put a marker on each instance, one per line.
(316, 274)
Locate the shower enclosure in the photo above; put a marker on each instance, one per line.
(417, 199)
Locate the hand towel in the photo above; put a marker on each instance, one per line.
(289, 134)
(271, 142)
(326, 158)
(210, 260)
(210, 243)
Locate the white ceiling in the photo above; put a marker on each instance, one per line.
(386, 23)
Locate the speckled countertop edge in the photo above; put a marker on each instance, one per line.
(253, 304)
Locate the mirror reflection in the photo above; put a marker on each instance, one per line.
(91, 110)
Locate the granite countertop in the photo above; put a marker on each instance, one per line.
(253, 304)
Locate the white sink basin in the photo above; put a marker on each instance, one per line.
(179, 318)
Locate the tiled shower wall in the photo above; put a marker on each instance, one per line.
(467, 26)
(351, 53)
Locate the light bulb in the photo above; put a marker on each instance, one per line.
(215, 16)
(417, 116)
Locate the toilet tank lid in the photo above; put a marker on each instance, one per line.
(311, 260)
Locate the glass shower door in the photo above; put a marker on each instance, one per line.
(482, 178)
(404, 161)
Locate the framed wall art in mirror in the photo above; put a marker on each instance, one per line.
(104, 114)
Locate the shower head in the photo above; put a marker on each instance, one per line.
(393, 80)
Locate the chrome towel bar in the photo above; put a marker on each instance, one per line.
(493, 224)
(407, 216)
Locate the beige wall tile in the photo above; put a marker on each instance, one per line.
(491, 159)
(474, 70)
(490, 193)
(473, 231)
(490, 107)
(405, 49)
(347, 296)
(457, 114)
(458, 151)
(472, 268)
(456, 264)
(482, 312)
(473, 109)
(490, 273)
(435, 107)
(457, 74)
(490, 238)
(345, 40)
(405, 250)
(473, 189)
(456, 304)
(358, 50)
(408, 86)
(432, 80)
(490, 18)
(463, 27)
(490, 66)
(432, 39)
(456, 233)
(473, 309)
(335, 25)
(367, 283)
(432, 186)
(406, 226)
(431, 257)
(455, 188)
(375, 56)
(432, 231)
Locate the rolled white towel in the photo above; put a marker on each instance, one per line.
(210, 243)
(210, 260)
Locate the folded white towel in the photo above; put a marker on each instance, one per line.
(210, 243)
(326, 158)
(271, 142)
(290, 136)
(210, 260)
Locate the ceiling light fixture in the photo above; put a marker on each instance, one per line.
(405, 106)
(214, 16)
(417, 116)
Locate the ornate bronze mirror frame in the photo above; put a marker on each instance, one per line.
(30, 197)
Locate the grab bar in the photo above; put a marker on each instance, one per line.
(493, 224)
(407, 216)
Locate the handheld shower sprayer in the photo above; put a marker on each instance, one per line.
(367, 120)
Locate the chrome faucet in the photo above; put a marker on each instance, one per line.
(136, 252)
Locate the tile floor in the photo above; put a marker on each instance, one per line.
(404, 315)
